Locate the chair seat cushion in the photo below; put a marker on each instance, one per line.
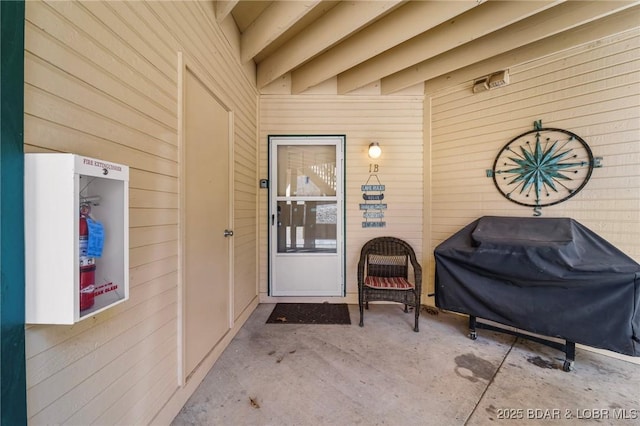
(396, 283)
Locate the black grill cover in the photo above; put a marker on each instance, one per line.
(550, 276)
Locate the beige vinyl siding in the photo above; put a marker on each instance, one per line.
(101, 80)
(592, 90)
(395, 122)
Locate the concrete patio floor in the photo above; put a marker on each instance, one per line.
(386, 374)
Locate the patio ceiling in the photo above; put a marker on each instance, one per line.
(396, 44)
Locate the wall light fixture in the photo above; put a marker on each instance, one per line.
(491, 81)
(374, 150)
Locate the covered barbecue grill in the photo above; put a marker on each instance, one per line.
(549, 276)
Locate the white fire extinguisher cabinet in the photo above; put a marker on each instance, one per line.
(62, 193)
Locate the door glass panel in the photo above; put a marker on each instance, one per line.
(306, 170)
(307, 226)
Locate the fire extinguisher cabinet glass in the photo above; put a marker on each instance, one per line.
(76, 237)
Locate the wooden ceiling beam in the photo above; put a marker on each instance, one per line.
(542, 25)
(613, 24)
(482, 20)
(271, 24)
(398, 26)
(337, 24)
(224, 8)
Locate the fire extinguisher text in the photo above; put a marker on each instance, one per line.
(105, 288)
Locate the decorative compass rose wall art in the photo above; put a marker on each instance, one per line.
(543, 167)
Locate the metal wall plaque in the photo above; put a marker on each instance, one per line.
(375, 197)
(365, 188)
(373, 215)
(380, 224)
(373, 206)
(373, 211)
(542, 167)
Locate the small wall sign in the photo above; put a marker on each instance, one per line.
(373, 215)
(372, 187)
(375, 197)
(373, 207)
(372, 194)
(374, 224)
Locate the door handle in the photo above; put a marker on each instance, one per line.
(228, 233)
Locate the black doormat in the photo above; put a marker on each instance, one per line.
(310, 313)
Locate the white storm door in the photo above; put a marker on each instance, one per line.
(306, 216)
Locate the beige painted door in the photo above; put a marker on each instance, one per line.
(206, 216)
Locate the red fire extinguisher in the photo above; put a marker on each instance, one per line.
(87, 264)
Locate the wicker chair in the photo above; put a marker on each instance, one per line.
(383, 274)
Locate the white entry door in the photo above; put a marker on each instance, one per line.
(306, 215)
